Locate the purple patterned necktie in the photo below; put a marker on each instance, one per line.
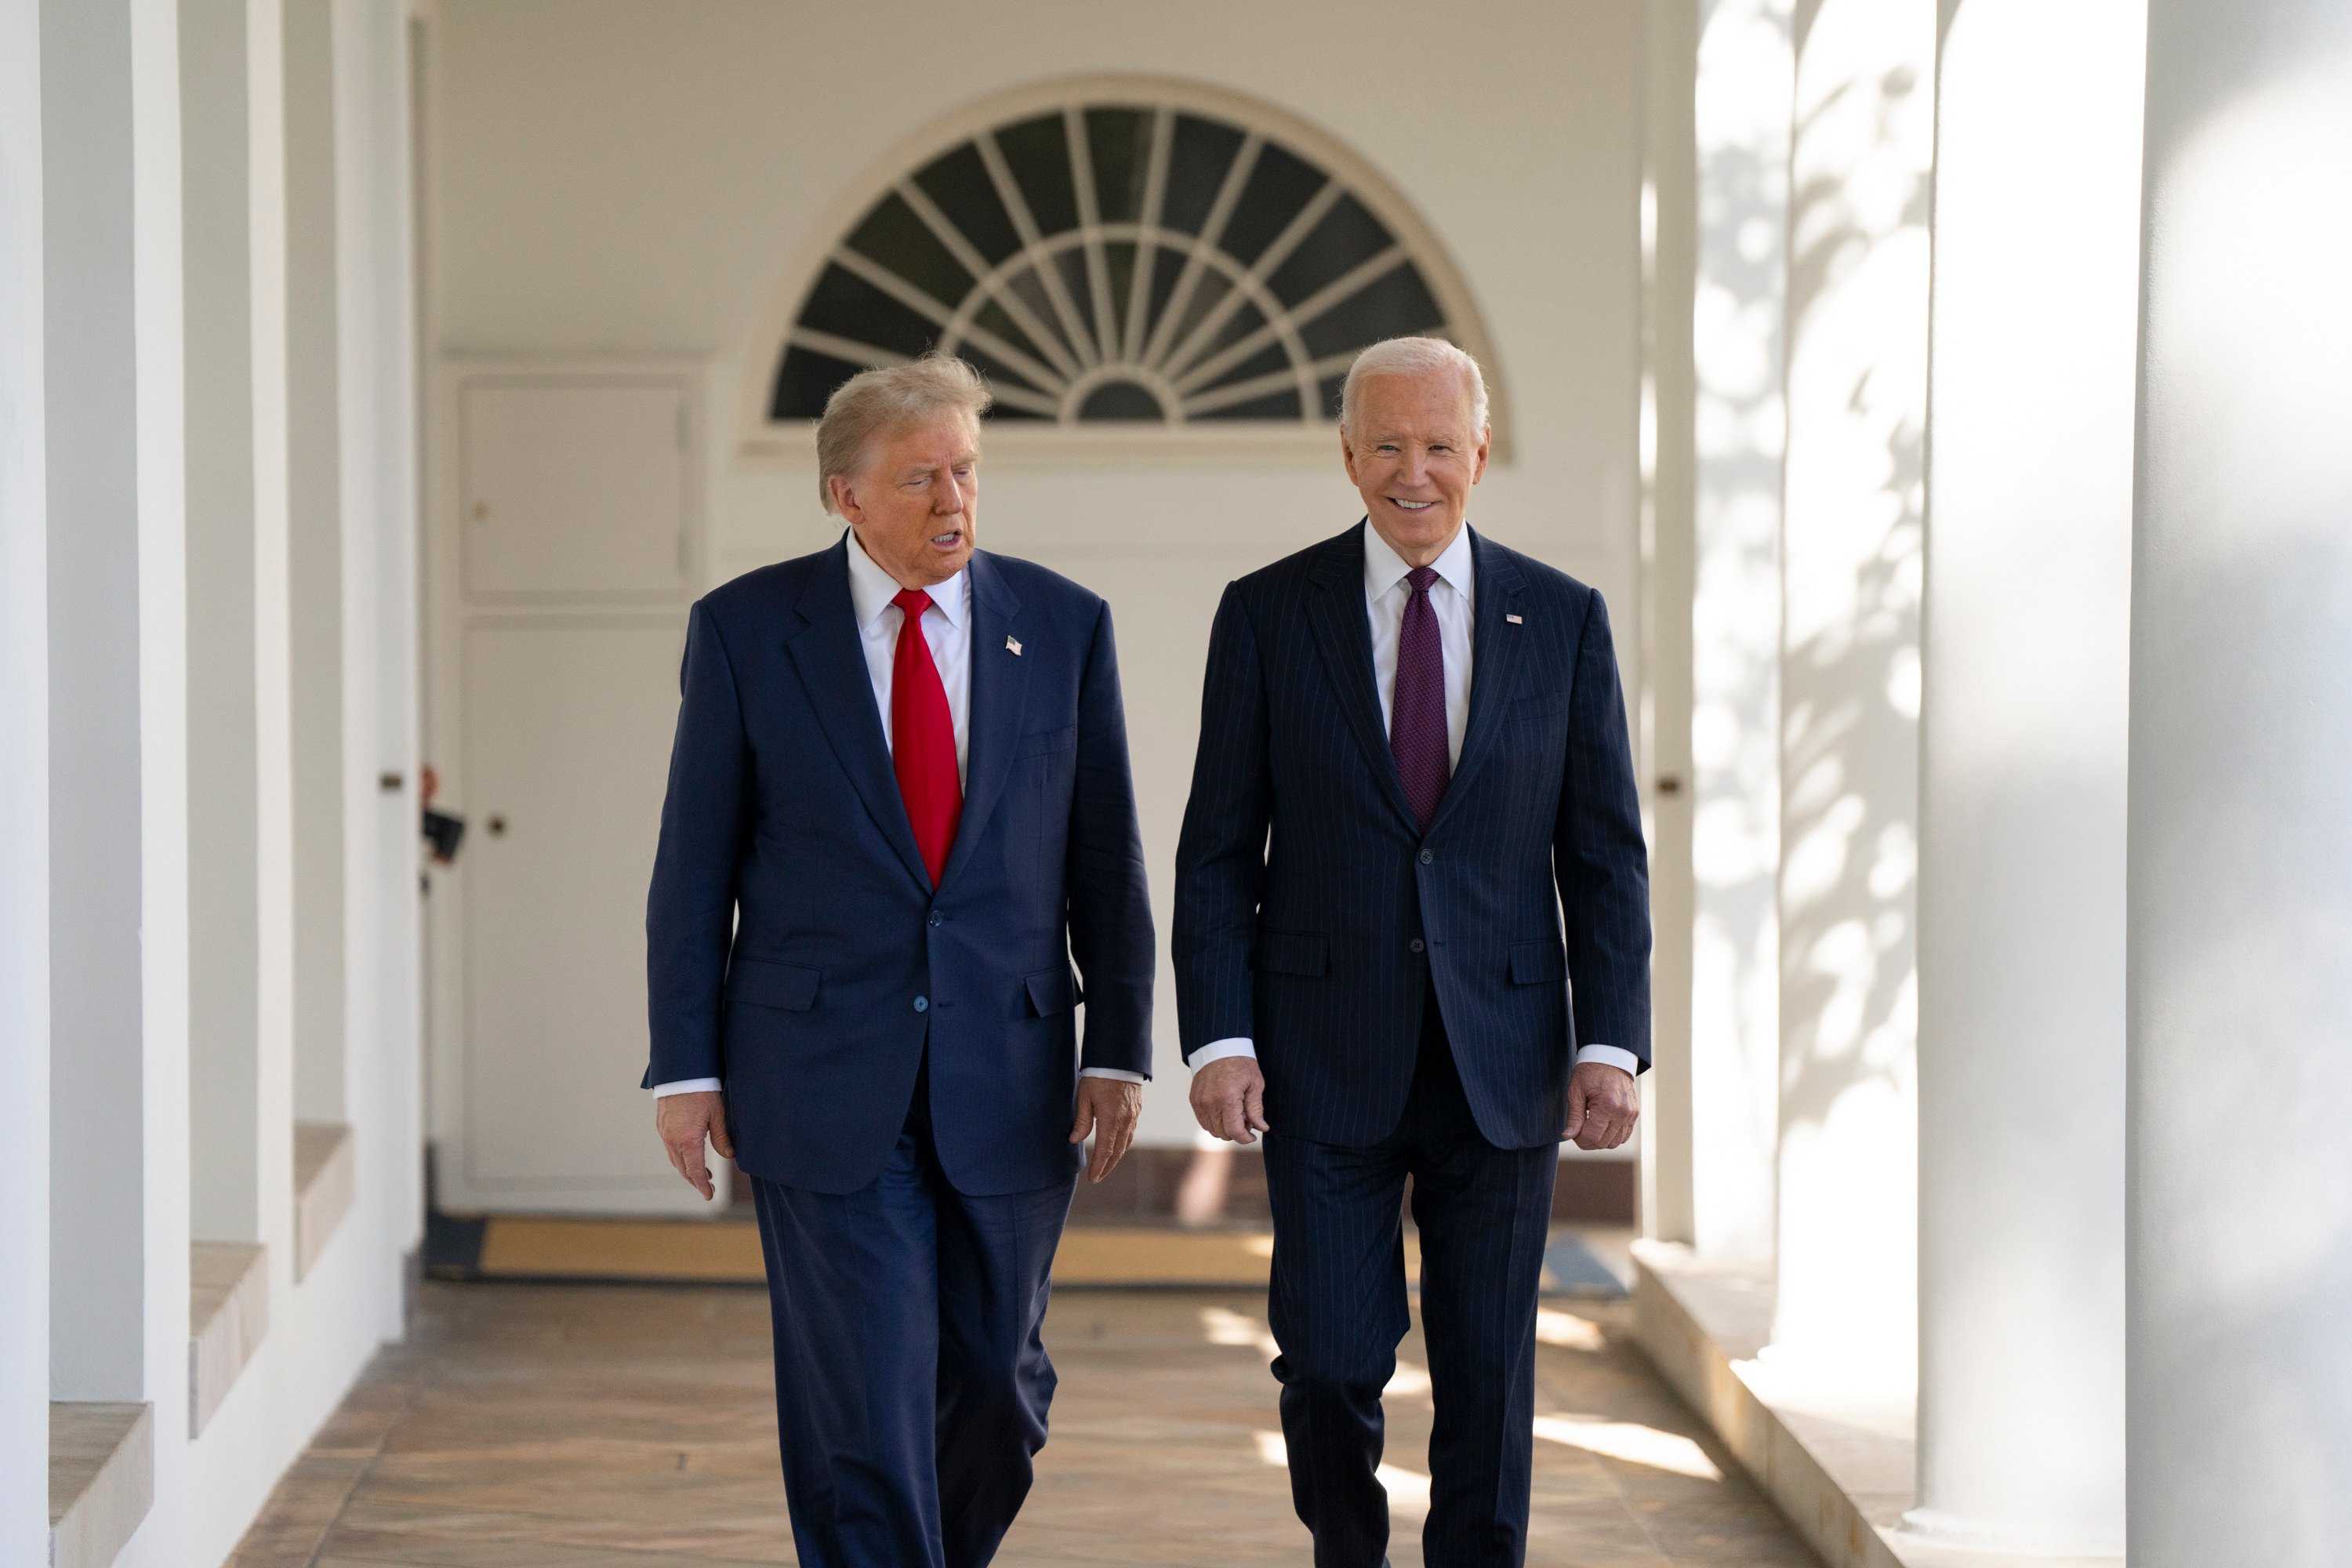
(1417, 732)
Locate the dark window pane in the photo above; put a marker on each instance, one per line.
(959, 185)
(1120, 400)
(1346, 236)
(996, 373)
(893, 235)
(1275, 405)
(1242, 323)
(1330, 389)
(1278, 188)
(1395, 305)
(1072, 265)
(1032, 293)
(804, 381)
(1266, 361)
(997, 320)
(1198, 156)
(1118, 260)
(1207, 288)
(1038, 152)
(1166, 266)
(1119, 140)
(849, 307)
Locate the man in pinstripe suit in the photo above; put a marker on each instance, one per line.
(1430, 728)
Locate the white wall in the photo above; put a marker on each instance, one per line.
(24, 804)
(629, 176)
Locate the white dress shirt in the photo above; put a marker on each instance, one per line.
(1454, 597)
(947, 627)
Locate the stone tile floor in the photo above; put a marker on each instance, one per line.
(624, 1427)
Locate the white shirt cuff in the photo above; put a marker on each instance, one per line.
(1121, 1074)
(689, 1086)
(1218, 1050)
(1610, 1057)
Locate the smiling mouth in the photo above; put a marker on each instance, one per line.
(1411, 505)
(948, 539)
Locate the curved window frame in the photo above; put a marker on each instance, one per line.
(792, 442)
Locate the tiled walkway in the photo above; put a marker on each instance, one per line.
(560, 1426)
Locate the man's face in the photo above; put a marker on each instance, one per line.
(916, 502)
(1413, 456)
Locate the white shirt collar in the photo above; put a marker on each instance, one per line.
(1384, 568)
(871, 589)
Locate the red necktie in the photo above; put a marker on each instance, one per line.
(922, 739)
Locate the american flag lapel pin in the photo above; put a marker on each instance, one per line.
(1515, 620)
(1013, 647)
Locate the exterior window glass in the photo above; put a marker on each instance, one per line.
(1110, 262)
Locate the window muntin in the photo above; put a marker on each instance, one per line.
(1116, 262)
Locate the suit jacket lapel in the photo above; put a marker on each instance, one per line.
(999, 695)
(1343, 634)
(831, 659)
(1494, 666)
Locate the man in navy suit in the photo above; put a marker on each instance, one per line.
(1429, 729)
(899, 807)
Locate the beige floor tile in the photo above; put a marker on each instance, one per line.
(551, 1427)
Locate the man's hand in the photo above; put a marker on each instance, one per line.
(1602, 1106)
(684, 1121)
(1229, 1099)
(1108, 1107)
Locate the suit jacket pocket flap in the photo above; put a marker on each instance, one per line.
(1046, 742)
(785, 985)
(1536, 963)
(1051, 991)
(1292, 952)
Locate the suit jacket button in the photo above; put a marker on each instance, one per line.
(937, 917)
(1417, 944)
(1427, 857)
(922, 1004)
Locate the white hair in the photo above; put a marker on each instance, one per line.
(888, 402)
(1412, 356)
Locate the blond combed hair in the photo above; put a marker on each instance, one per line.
(1412, 356)
(875, 404)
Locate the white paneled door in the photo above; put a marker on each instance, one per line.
(570, 508)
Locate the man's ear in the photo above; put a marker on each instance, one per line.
(845, 500)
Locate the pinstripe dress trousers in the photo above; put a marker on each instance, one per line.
(1337, 1310)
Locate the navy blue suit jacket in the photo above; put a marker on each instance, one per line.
(795, 948)
(1319, 947)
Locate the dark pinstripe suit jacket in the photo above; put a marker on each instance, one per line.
(1314, 946)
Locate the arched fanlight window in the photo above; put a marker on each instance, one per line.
(1109, 256)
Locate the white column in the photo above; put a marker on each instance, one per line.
(273, 634)
(99, 1278)
(378, 338)
(224, 743)
(1669, 564)
(314, 562)
(1857, 303)
(24, 806)
(1741, 113)
(2027, 688)
(2240, 914)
